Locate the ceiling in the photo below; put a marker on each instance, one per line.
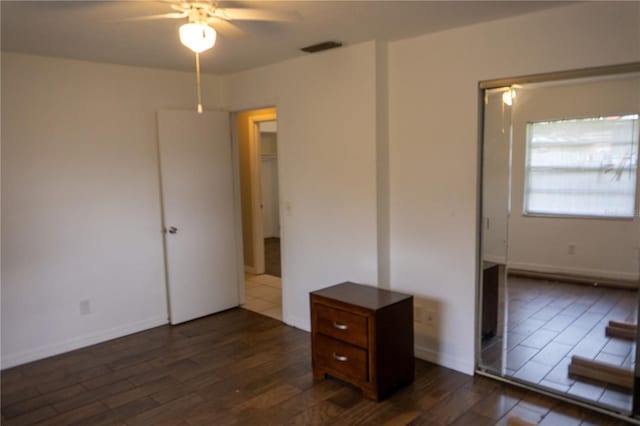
(95, 30)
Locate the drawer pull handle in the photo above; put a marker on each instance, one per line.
(340, 358)
(340, 326)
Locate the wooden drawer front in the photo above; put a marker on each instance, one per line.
(342, 357)
(342, 325)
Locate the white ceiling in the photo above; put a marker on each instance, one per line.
(92, 30)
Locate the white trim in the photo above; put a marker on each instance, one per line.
(454, 363)
(269, 126)
(445, 360)
(237, 201)
(494, 258)
(250, 269)
(12, 360)
(568, 270)
(300, 323)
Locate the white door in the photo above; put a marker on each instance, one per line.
(197, 195)
(270, 202)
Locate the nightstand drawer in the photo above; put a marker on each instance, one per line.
(342, 325)
(341, 357)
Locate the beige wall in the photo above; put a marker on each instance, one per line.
(245, 128)
(268, 143)
(433, 103)
(495, 176)
(81, 217)
(326, 166)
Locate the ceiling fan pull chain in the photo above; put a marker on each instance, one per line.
(198, 82)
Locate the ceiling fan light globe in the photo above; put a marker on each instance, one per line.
(197, 36)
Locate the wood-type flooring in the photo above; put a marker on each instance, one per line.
(239, 367)
(549, 322)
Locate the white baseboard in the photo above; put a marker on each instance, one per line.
(568, 270)
(250, 269)
(12, 360)
(494, 259)
(426, 354)
(302, 324)
(444, 360)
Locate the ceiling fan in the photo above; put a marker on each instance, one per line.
(205, 18)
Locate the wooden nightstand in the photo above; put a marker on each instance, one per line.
(363, 335)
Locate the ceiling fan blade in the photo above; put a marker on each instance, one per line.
(227, 29)
(239, 14)
(173, 15)
(178, 5)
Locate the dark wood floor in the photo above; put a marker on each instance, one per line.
(239, 367)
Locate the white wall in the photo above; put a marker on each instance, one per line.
(81, 206)
(433, 101)
(496, 155)
(603, 247)
(81, 214)
(326, 155)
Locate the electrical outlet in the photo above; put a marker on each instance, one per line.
(430, 317)
(85, 307)
(417, 314)
(572, 248)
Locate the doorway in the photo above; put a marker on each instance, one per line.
(260, 202)
(270, 197)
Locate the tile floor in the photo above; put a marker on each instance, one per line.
(549, 322)
(263, 294)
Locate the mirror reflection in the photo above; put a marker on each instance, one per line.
(561, 236)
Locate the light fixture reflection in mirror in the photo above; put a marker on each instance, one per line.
(508, 96)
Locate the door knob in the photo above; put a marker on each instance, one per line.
(172, 230)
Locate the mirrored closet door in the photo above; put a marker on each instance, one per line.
(560, 234)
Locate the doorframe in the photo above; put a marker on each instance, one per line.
(235, 162)
(256, 190)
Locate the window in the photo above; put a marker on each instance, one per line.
(582, 167)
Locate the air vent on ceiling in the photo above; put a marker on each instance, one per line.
(321, 46)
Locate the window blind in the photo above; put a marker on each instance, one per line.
(582, 167)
